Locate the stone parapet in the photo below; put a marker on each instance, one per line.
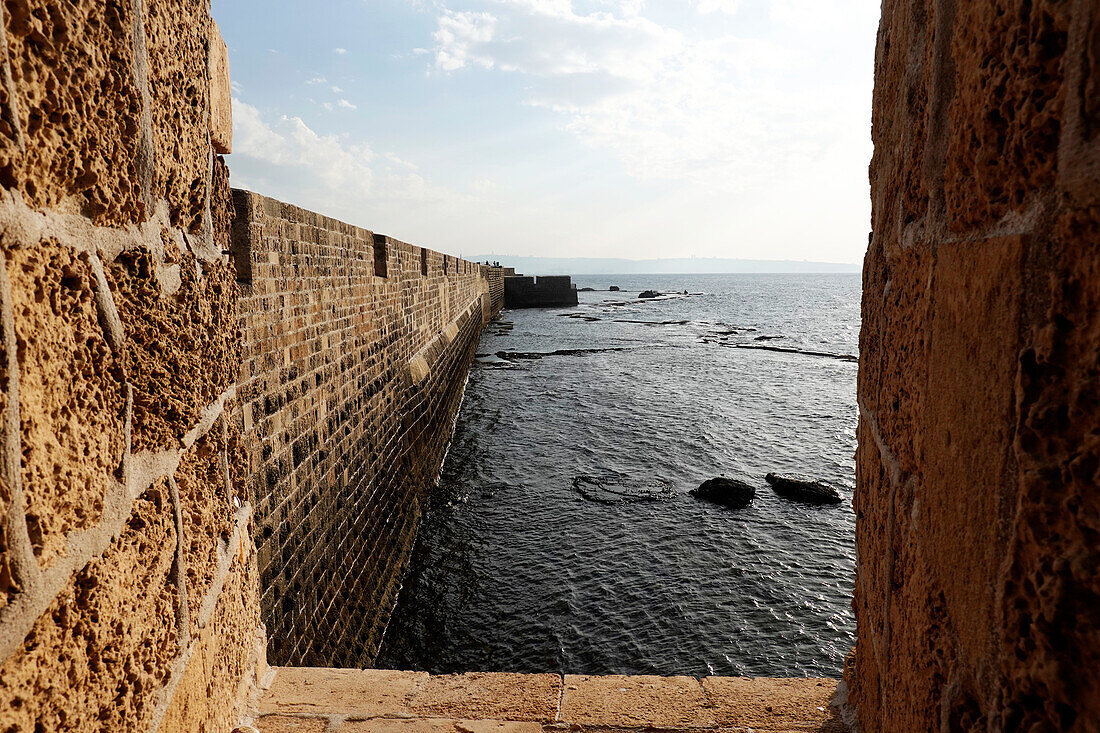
(355, 352)
(495, 276)
(345, 701)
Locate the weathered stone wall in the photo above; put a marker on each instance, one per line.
(978, 514)
(128, 583)
(350, 384)
(495, 276)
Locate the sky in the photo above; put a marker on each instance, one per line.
(566, 128)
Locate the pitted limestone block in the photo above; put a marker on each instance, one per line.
(898, 306)
(206, 698)
(970, 424)
(291, 724)
(419, 369)
(221, 103)
(623, 701)
(79, 109)
(207, 515)
(491, 695)
(238, 436)
(182, 350)
(434, 725)
(893, 345)
(97, 657)
(774, 704)
(357, 692)
(1006, 112)
(1078, 153)
(71, 397)
(1051, 590)
(175, 38)
(899, 115)
(221, 206)
(8, 586)
(873, 510)
(919, 653)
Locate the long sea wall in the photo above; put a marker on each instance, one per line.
(355, 351)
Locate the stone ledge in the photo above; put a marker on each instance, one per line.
(350, 701)
(221, 107)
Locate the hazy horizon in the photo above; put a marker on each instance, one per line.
(534, 265)
(613, 128)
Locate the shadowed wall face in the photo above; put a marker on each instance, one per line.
(978, 519)
(350, 384)
(127, 581)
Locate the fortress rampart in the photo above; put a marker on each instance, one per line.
(355, 350)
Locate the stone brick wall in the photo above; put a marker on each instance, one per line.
(350, 384)
(978, 583)
(495, 276)
(128, 583)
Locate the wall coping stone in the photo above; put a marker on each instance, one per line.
(348, 700)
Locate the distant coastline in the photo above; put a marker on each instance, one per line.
(669, 266)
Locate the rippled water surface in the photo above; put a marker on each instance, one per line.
(562, 537)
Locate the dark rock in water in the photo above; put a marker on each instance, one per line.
(586, 290)
(725, 491)
(649, 294)
(613, 288)
(615, 489)
(803, 490)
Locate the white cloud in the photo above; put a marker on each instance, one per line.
(718, 6)
(290, 143)
(708, 127)
(285, 158)
(400, 161)
(548, 37)
(345, 104)
(339, 51)
(457, 34)
(727, 111)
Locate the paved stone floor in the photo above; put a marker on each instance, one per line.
(314, 700)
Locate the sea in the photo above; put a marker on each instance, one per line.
(562, 536)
